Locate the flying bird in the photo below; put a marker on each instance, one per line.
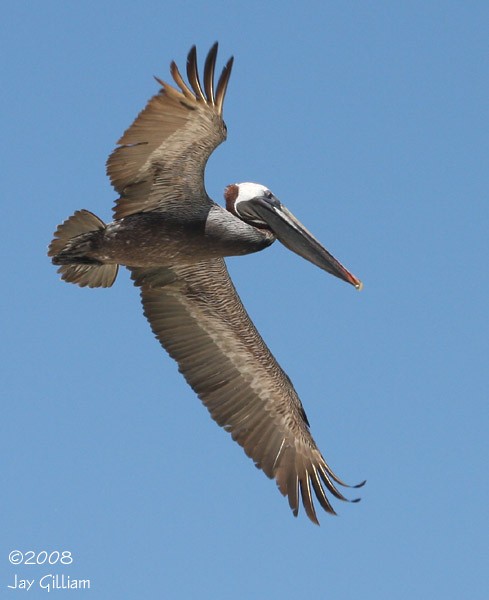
(173, 239)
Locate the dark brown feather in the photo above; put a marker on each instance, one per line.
(210, 65)
(222, 85)
(175, 73)
(193, 74)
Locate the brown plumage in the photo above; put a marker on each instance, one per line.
(173, 238)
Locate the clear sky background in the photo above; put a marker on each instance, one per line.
(370, 122)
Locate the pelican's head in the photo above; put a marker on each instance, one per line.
(256, 205)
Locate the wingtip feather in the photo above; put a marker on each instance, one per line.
(222, 84)
(193, 74)
(209, 68)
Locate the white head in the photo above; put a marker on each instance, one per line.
(243, 192)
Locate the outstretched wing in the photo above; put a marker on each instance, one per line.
(197, 316)
(162, 156)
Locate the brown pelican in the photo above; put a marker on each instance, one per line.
(173, 237)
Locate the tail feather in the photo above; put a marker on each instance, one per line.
(89, 275)
(72, 240)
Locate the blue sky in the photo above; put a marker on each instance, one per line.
(370, 122)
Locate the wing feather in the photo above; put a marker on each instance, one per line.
(223, 85)
(160, 159)
(175, 73)
(210, 64)
(193, 74)
(199, 319)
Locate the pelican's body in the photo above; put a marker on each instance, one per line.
(173, 238)
(164, 238)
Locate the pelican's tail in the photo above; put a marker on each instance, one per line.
(70, 247)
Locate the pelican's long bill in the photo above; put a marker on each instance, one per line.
(268, 210)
